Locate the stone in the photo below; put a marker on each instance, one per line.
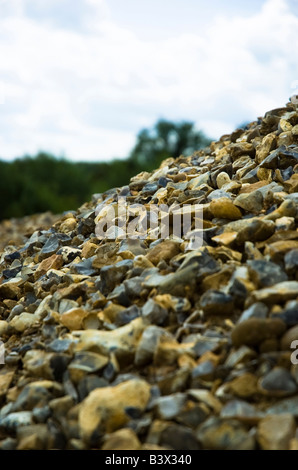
(9, 290)
(222, 179)
(179, 437)
(123, 439)
(291, 262)
(207, 398)
(23, 321)
(288, 337)
(280, 292)
(3, 328)
(107, 408)
(73, 318)
(256, 310)
(224, 208)
(278, 382)
(241, 410)
(254, 331)
(13, 421)
(219, 434)
(154, 313)
(53, 262)
(122, 341)
(244, 386)
(165, 250)
(265, 273)
(45, 364)
(88, 249)
(88, 383)
(168, 408)
(253, 229)
(214, 302)
(86, 362)
(290, 314)
(147, 344)
(275, 432)
(250, 202)
(6, 377)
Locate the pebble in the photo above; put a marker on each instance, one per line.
(219, 434)
(224, 208)
(278, 382)
(254, 331)
(108, 408)
(275, 432)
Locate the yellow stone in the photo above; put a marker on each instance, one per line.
(104, 409)
(224, 208)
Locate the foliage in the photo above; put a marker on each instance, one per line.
(36, 184)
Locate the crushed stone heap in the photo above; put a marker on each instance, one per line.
(143, 343)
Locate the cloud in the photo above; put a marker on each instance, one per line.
(76, 82)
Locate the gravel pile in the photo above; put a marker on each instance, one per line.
(114, 342)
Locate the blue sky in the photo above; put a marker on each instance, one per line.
(81, 78)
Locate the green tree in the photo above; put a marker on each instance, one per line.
(166, 139)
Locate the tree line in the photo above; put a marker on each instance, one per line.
(34, 184)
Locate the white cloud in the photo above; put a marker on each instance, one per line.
(85, 87)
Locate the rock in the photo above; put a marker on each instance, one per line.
(254, 331)
(6, 377)
(86, 362)
(3, 328)
(257, 310)
(123, 439)
(147, 344)
(280, 292)
(288, 337)
(206, 397)
(108, 408)
(123, 341)
(253, 229)
(9, 290)
(250, 202)
(214, 302)
(278, 382)
(168, 408)
(290, 314)
(179, 437)
(44, 364)
(219, 434)
(88, 249)
(241, 410)
(275, 432)
(53, 262)
(165, 250)
(244, 386)
(13, 421)
(154, 313)
(291, 262)
(222, 179)
(264, 273)
(73, 318)
(224, 208)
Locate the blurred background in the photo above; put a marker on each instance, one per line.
(95, 91)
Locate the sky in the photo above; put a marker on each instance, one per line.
(81, 78)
